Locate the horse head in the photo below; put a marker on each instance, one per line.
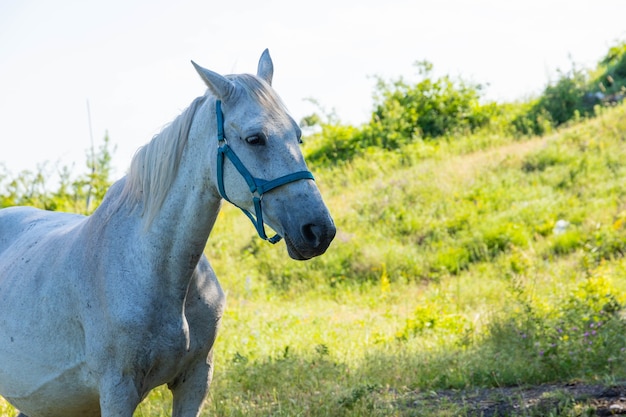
(259, 165)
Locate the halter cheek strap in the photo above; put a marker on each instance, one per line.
(258, 186)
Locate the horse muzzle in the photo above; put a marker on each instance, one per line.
(310, 240)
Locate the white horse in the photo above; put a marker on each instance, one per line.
(97, 311)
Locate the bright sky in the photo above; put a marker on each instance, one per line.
(131, 59)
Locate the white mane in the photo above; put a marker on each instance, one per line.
(155, 164)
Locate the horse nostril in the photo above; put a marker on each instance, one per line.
(311, 234)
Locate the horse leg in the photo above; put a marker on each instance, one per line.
(190, 389)
(119, 396)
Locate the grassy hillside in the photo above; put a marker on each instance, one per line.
(479, 262)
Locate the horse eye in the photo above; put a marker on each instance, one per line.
(255, 140)
(299, 135)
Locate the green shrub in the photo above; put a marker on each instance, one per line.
(576, 94)
(567, 242)
(431, 108)
(334, 144)
(580, 334)
(606, 243)
(546, 158)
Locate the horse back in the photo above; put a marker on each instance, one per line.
(35, 252)
(18, 224)
(37, 300)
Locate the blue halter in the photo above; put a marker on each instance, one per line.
(258, 186)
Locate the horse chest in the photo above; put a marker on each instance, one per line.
(150, 343)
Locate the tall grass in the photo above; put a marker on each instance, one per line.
(449, 271)
(484, 262)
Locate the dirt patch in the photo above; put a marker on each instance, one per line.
(576, 399)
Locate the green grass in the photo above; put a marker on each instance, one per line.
(447, 273)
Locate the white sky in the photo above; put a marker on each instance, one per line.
(130, 59)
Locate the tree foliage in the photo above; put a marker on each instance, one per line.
(405, 112)
(576, 93)
(435, 108)
(79, 195)
(431, 108)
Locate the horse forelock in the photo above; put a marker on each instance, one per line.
(262, 93)
(154, 165)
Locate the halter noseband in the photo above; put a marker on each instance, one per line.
(257, 186)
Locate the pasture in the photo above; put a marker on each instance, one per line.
(449, 280)
(448, 273)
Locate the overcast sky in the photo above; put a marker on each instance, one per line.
(131, 59)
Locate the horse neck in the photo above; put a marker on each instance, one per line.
(181, 228)
(172, 222)
(182, 225)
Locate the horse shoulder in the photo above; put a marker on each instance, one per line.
(204, 305)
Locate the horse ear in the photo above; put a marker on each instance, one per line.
(265, 70)
(219, 85)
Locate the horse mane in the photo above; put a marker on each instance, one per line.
(154, 166)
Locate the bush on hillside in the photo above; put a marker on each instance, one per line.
(560, 102)
(429, 109)
(612, 70)
(576, 93)
(404, 113)
(435, 108)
